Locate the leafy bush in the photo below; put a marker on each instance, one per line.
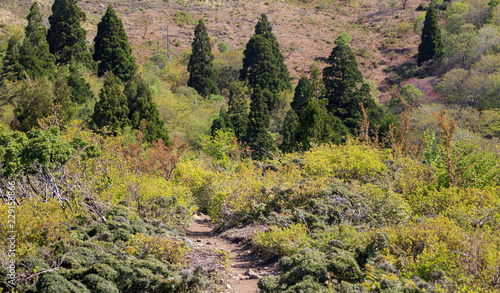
(278, 242)
(161, 247)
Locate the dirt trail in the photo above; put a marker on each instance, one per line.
(241, 258)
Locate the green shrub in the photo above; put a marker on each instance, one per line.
(278, 242)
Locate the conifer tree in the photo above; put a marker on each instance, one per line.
(258, 137)
(65, 36)
(11, 69)
(222, 122)
(303, 94)
(112, 51)
(432, 45)
(80, 88)
(342, 79)
(263, 64)
(111, 110)
(202, 74)
(317, 125)
(34, 55)
(238, 109)
(290, 127)
(141, 106)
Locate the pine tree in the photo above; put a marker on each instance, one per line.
(65, 36)
(142, 107)
(304, 92)
(258, 137)
(34, 55)
(263, 64)
(112, 51)
(11, 68)
(111, 110)
(290, 125)
(317, 125)
(202, 75)
(238, 109)
(432, 45)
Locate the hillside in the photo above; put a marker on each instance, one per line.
(382, 37)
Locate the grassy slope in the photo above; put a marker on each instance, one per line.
(305, 31)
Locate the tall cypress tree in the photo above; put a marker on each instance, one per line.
(342, 79)
(238, 109)
(202, 74)
(258, 137)
(432, 45)
(223, 122)
(303, 94)
(111, 110)
(80, 88)
(34, 55)
(263, 64)
(288, 131)
(112, 51)
(141, 106)
(11, 68)
(65, 36)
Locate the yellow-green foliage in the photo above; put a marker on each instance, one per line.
(37, 223)
(425, 246)
(387, 206)
(349, 161)
(468, 206)
(161, 247)
(282, 241)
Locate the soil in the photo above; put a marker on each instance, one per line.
(245, 267)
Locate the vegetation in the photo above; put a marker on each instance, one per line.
(377, 171)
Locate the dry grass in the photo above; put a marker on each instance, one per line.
(305, 31)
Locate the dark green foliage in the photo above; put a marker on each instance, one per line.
(35, 104)
(238, 109)
(111, 110)
(303, 94)
(223, 122)
(432, 45)
(258, 137)
(111, 49)
(202, 74)
(52, 282)
(344, 267)
(65, 36)
(290, 125)
(263, 64)
(142, 107)
(11, 69)
(63, 106)
(80, 88)
(34, 55)
(317, 125)
(341, 79)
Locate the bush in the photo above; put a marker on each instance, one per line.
(278, 242)
(161, 247)
(223, 48)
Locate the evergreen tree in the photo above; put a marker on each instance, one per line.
(303, 94)
(80, 88)
(11, 69)
(65, 36)
(290, 126)
(111, 110)
(263, 63)
(317, 125)
(111, 49)
(341, 79)
(222, 122)
(258, 137)
(62, 104)
(202, 75)
(432, 45)
(34, 55)
(141, 106)
(238, 109)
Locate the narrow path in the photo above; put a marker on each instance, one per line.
(241, 258)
